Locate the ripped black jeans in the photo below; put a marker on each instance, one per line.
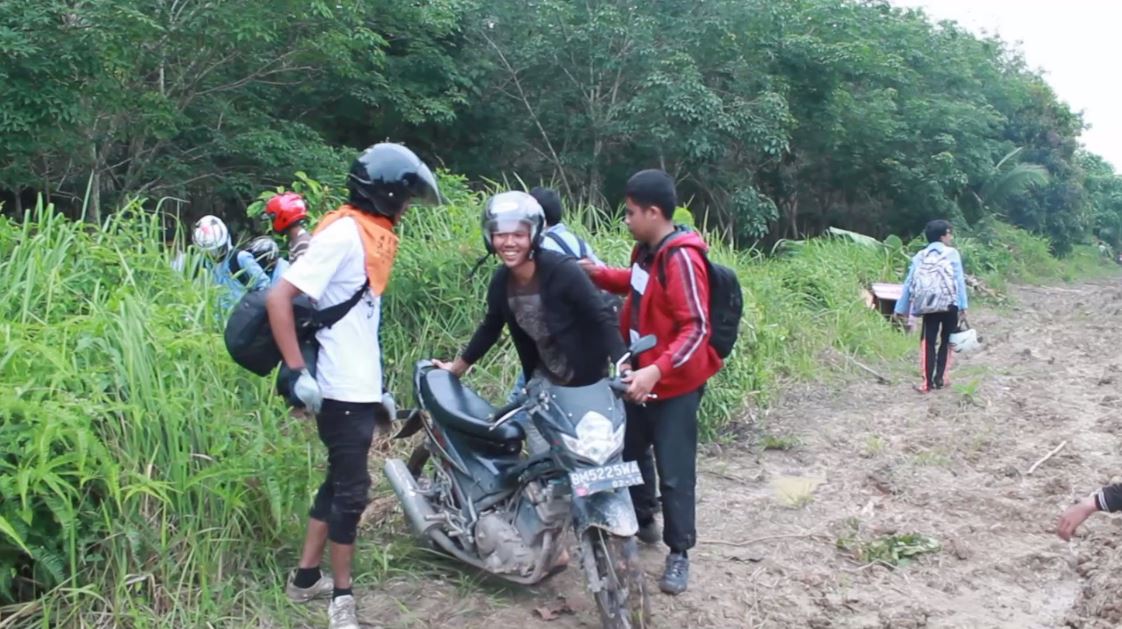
(347, 429)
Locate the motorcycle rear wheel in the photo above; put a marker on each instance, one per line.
(622, 599)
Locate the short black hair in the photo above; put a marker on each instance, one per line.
(550, 202)
(936, 229)
(653, 187)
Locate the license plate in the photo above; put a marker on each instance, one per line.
(597, 479)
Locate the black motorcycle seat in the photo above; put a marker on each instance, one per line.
(458, 408)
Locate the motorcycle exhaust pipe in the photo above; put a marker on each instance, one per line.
(417, 509)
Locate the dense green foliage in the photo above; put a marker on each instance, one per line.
(780, 118)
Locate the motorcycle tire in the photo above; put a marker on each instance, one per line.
(622, 601)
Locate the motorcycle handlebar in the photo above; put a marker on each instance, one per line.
(620, 387)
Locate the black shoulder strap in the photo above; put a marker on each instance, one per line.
(330, 316)
(583, 247)
(235, 268)
(662, 262)
(561, 243)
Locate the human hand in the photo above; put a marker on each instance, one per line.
(587, 265)
(640, 382)
(1074, 516)
(304, 389)
(458, 367)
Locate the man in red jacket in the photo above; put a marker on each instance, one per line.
(667, 290)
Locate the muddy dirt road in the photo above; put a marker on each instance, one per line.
(873, 460)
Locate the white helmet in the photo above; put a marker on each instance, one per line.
(265, 250)
(211, 234)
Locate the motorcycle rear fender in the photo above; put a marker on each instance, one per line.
(608, 510)
(412, 424)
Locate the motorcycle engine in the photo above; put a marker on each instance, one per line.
(501, 547)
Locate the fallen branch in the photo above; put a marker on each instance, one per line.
(1045, 458)
(880, 378)
(749, 542)
(730, 477)
(877, 562)
(976, 284)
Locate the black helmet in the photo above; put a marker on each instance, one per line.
(506, 209)
(388, 175)
(265, 250)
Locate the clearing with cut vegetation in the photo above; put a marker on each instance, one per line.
(858, 504)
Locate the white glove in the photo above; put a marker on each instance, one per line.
(307, 390)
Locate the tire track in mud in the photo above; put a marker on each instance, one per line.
(875, 460)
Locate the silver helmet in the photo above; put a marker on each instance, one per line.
(505, 211)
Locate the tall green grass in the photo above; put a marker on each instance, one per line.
(999, 253)
(140, 471)
(147, 481)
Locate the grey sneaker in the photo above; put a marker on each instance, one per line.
(341, 611)
(320, 589)
(649, 533)
(677, 575)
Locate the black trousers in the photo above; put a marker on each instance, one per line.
(937, 326)
(347, 429)
(670, 427)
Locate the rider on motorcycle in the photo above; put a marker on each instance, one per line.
(554, 313)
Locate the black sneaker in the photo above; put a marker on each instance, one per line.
(677, 575)
(649, 533)
(939, 382)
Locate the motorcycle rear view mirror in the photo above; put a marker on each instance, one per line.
(642, 344)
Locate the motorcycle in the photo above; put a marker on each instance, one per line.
(488, 505)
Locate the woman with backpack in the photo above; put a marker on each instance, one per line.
(935, 289)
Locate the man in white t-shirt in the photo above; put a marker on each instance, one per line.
(350, 254)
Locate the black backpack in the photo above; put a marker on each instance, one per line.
(726, 303)
(249, 339)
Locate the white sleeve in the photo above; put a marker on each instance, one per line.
(313, 271)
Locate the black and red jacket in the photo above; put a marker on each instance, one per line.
(674, 307)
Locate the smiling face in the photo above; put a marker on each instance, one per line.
(512, 245)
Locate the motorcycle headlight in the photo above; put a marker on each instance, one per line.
(597, 440)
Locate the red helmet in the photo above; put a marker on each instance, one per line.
(286, 210)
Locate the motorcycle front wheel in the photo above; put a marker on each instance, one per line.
(622, 597)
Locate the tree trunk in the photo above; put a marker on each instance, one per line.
(91, 209)
(791, 210)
